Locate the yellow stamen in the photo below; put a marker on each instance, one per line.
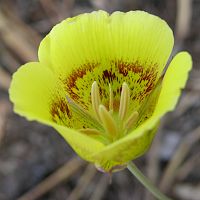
(131, 120)
(95, 98)
(106, 127)
(107, 121)
(90, 131)
(111, 99)
(124, 101)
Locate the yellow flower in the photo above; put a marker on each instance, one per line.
(99, 82)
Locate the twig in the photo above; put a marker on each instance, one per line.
(8, 60)
(23, 41)
(183, 21)
(83, 183)
(189, 99)
(187, 191)
(110, 6)
(4, 79)
(67, 8)
(4, 110)
(50, 7)
(62, 174)
(180, 154)
(187, 167)
(100, 188)
(26, 31)
(194, 83)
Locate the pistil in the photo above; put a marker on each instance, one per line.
(108, 122)
(124, 101)
(110, 99)
(95, 98)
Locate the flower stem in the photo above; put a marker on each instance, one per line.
(139, 175)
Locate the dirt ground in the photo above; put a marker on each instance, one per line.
(36, 163)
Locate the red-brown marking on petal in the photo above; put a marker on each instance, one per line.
(116, 104)
(150, 76)
(108, 74)
(147, 74)
(124, 67)
(70, 81)
(60, 111)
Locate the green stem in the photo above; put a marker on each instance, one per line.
(139, 175)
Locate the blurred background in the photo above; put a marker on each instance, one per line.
(36, 163)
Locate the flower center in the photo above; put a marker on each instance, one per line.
(107, 123)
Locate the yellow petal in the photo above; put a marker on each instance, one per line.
(126, 149)
(33, 90)
(38, 94)
(137, 142)
(44, 52)
(128, 47)
(82, 144)
(174, 80)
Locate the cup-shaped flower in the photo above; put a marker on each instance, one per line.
(100, 83)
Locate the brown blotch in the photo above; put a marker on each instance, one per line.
(116, 104)
(149, 75)
(70, 81)
(109, 75)
(124, 67)
(60, 110)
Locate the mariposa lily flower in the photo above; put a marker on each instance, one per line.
(100, 83)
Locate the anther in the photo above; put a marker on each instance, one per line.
(95, 98)
(107, 121)
(131, 120)
(111, 99)
(124, 101)
(90, 132)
